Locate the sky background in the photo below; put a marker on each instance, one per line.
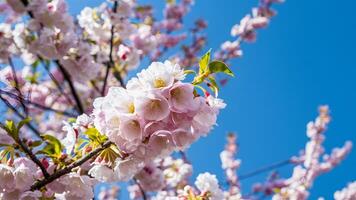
(305, 58)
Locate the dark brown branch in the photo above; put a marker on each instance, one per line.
(38, 185)
(111, 62)
(33, 157)
(11, 107)
(21, 99)
(67, 77)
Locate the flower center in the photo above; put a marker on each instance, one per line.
(159, 82)
(154, 104)
(131, 108)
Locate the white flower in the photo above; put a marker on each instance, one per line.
(102, 173)
(76, 187)
(207, 182)
(152, 107)
(83, 120)
(29, 195)
(120, 100)
(126, 169)
(204, 119)
(24, 177)
(5, 138)
(346, 193)
(157, 76)
(216, 103)
(176, 171)
(70, 139)
(129, 56)
(7, 179)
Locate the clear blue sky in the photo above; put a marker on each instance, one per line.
(305, 58)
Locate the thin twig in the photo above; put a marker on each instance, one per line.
(11, 107)
(17, 85)
(55, 81)
(111, 62)
(143, 193)
(38, 185)
(14, 96)
(265, 169)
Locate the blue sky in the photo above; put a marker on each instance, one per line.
(303, 59)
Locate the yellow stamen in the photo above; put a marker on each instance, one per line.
(131, 108)
(159, 82)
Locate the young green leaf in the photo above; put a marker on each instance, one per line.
(204, 63)
(23, 122)
(53, 144)
(220, 67)
(95, 136)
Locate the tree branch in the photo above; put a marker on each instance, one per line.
(20, 115)
(33, 157)
(55, 81)
(14, 96)
(143, 193)
(30, 154)
(265, 169)
(67, 77)
(111, 62)
(17, 86)
(38, 185)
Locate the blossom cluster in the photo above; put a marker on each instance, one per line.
(156, 114)
(304, 174)
(89, 126)
(245, 31)
(17, 177)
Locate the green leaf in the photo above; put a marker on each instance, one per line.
(23, 122)
(35, 64)
(5, 145)
(11, 129)
(95, 136)
(53, 144)
(36, 143)
(218, 66)
(71, 120)
(204, 63)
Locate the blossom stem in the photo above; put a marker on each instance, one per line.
(38, 185)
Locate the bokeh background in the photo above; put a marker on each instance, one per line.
(305, 58)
